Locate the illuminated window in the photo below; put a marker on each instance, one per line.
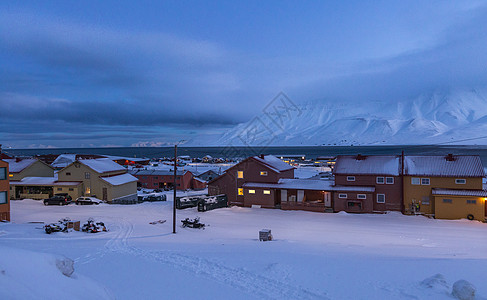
(389, 180)
(87, 190)
(10, 175)
(460, 181)
(263, 173)
(350, 178)
(240, 191)
(361, 196)
(240, 174)
(415, 181)
(425, 181)
(381, 198)
(342, 196)
(380, 180)
(267, 192)
(251, 191)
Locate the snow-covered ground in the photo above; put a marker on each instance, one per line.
(313, 256)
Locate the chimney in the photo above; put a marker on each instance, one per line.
(361, 157)
(18, 159)
(262, 156)
(450, 157)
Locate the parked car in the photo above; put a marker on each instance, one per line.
(57, 200)
(65, 195)
(87, 201)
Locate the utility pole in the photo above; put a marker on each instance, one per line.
(175, 185)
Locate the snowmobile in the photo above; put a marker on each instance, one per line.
(192, 223)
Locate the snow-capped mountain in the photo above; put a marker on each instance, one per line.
(457, 117)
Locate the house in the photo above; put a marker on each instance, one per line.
(447, 187)
(39, 188)
(102, 178)
(28, 167)
(159, 179)
(198, 184)
(370, 183)
(208, 175)
(256, 169)
(4, 192)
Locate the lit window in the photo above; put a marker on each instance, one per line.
(361, 196)
(447, 201)
(251, 191)
(380, 180)
(87, 190)
(389, 180)
(460, 181)
(240, 191)
(342, 196)
(267, 192)
(381, 198)
(350, 178)
(415, 181)
(471, 201)
(263, 173)
(10, 175)
(425, 181)
(240, 174)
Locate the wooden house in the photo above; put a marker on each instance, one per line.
(4, 192)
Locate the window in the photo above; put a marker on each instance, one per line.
(381, 198)
(3, 197)
(460, 181)
(68, 173)
(87, 175)
(447, 201)
(380, 180)
(389, 180)
(361, 196)
(3, 173)
(251, 191)
(267, 192)
(87, 190)
(415, 181)
(71, 189)
(471, 201)
(240, 174)
(425, 200)
(354, 204)
(425, 181)
(240, 191)
(155, 177)
(350, 178)
(59, 189)
(342, 196)
(263, 173)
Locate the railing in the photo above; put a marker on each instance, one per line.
(33, 196)
(307, 206)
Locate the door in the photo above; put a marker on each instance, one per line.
(284, 195)
(104, 192)
(327, 199)
(300, 195)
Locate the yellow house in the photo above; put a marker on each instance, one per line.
(101, 178)
(424, 176)
(43, 187)
(28, 167)
(459, 204)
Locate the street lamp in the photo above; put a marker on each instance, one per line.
(175, 185)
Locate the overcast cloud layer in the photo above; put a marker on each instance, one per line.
(87, 74)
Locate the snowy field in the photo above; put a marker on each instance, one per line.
(313, 256)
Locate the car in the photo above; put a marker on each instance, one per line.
(65, 195)
(87, 201)
(57, 200)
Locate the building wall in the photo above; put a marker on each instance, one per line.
(392, 192)
(73, 191)
(4, 187)
(419, 193)
(37, 169)
(458, 208)
(117, 191)
(160, 181)
(259, 198)
(341, 204)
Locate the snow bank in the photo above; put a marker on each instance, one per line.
(30, 275)
(463, 290)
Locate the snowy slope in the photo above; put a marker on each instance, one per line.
(428, 119)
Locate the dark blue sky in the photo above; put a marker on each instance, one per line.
(122, 73)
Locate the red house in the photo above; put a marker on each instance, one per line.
(4, 192)
(256, 169)
(159, 179)
(376, 182)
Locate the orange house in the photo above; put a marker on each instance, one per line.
(4, 192)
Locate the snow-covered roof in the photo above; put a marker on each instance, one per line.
(159, 173)
(444, 166)
(44, 181)
(120, 179)
(63, 160)
(307, 184)
(368, 165)
(134, 159)
(273, 162)
(102, 165)
(15, 166)
(452, 192)
(199, 179)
